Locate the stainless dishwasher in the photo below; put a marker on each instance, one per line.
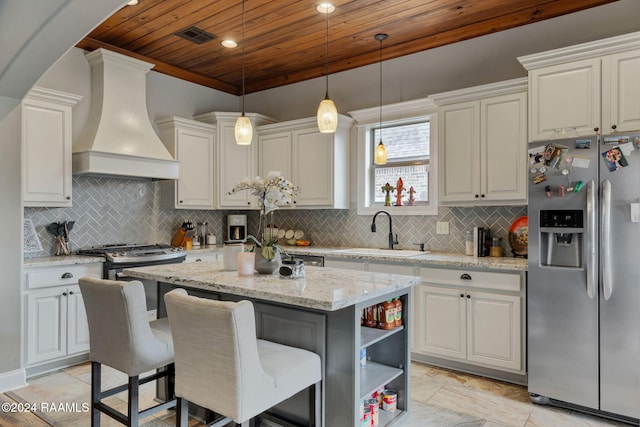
(313, 260)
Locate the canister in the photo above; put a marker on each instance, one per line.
(230, 255)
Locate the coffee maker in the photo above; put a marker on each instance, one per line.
(237, 228)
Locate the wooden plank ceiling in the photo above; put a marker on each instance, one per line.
(285, 39)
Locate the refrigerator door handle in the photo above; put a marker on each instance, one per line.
(607, 280)
(592, 263)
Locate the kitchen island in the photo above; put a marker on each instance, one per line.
(320, 313)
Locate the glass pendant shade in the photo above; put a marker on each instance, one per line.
(380, 156)
(327, 116)
(243, 130)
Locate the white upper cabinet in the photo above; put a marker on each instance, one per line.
(191, 143)
(316, 162)
(233, 162)
(46, 147)
(482, 137)
(592, 88)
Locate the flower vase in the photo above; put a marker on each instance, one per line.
(267, 267)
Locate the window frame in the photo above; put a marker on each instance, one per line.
(394, 114)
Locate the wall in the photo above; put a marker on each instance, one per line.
(108, 210)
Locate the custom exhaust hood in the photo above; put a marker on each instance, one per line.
(118, 139)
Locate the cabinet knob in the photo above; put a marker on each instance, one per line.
(180, 201)
(596, 129)
(477, 196)
(468, 296)
(614, 127)
(64, 294)
(67, 275)
(68, 197)
(70, 292)
(465, 276)
(248, 203)
(461, 295)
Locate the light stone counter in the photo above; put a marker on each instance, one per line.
(45, 261)
(325, 289)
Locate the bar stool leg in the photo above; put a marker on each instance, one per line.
(132, 404)
(182, 412)
(96, 387)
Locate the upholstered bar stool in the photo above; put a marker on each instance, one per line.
(121, 337)
(223, 367)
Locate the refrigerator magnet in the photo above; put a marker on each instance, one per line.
(614, 159)
(582, 144)
(539, 178)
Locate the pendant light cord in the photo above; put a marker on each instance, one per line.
(326, 51)
(380, 126)
(243, 57)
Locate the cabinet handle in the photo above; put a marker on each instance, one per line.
(614, 127)
(64, 294)
(465, 276)
(198, 260)
(67, 275)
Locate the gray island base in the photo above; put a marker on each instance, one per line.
(320, 313)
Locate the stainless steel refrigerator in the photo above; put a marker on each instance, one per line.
(583, 289)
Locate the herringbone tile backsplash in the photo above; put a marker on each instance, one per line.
(109, 210)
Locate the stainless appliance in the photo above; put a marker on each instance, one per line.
(121, 256)
(583, 292)
(237, 228)
(311, 260)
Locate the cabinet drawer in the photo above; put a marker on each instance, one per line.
(63, 275)
(472, 279)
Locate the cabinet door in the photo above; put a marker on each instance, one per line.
(46, 141)
(493, 329)
(503, 140)
(77, 326)
(440, 324)
(46, 325)
(621, 106)
(313, 167)
(275, 154)
(459, 153)
(195, 152)
(564, 96)
(235, 163)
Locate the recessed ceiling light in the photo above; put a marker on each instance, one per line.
(229, 44)
(132, 2)
(325, 8)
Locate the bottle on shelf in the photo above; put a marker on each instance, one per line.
(386, 315)
(398, 311)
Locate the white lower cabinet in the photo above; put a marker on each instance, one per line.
(56, 321)
(473, 317)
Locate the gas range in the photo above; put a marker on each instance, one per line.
(137, 254)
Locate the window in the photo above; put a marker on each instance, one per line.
(408, 158)
(409, 132)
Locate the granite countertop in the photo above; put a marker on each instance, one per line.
(426, 259)
(45, 261)
(325, 289)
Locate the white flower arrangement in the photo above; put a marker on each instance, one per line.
(271, 191)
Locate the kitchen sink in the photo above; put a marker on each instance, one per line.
(382, 252)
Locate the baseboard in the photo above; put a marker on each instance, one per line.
(12, 380)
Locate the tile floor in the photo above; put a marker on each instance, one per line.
(440, 398)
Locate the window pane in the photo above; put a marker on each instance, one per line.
(405, 141)
(416, 176)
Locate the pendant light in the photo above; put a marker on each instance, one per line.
(327, 111)
(243, 130)
(380, 156)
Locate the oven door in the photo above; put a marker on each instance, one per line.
(114, 272)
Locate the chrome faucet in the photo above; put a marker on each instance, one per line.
(392, 241)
